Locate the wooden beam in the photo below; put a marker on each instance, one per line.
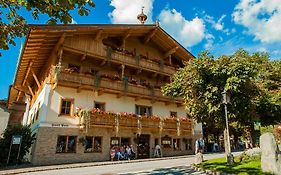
(150, 35)
(35, 78)
(30, 89)
(126, 35)
(170, 52)
(98, 35)
(27, 73)
(53, 55)
(18, 95)
(83, 57)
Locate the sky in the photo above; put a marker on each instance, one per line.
(220, 26)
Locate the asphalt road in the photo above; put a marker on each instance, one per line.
(177, 166)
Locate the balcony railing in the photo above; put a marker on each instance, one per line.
(144, 123)
(101, 51)
(142, 63)
(116, 87)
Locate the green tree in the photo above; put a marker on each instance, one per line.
(13, 24)
(27, 140)
(252, 81)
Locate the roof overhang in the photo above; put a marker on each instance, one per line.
(42, 39)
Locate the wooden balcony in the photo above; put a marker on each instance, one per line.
(120, 88)
(146, 123)
(103, 52)
(140, 63)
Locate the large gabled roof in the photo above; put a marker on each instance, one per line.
(42, 39)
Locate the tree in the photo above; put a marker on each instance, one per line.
(13, 24)
(252, 80)
(27, 140)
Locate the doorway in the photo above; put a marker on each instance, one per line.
(143, 146)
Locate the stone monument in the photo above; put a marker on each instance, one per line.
(270, 155)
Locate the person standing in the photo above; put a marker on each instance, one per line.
(157, 151)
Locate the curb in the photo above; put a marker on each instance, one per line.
(81, 165)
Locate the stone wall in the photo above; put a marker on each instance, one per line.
(44, 151)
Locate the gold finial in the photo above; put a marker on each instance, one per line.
(142, 17)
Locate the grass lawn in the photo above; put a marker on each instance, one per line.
(251, 165)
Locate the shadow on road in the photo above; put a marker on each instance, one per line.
(181, 170)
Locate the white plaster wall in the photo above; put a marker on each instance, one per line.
(4, 118)
(43, 108)
(85, 99)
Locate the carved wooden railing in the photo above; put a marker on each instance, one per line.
(116, 86)
(151, 123)
(101, 51)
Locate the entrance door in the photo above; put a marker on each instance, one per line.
(143, 146)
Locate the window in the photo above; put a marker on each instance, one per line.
(93, 144)
(66, 107)
(66, 144)
(88, 144)
(74, 68)
(99, 105)
(188, 144)
(97, 144)
(125, 141)
(173, 114)
(176, 144)
(144, 110)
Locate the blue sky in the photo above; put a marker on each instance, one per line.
(220, 26)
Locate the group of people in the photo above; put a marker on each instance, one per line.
(125, 152)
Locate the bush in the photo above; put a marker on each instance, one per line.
(27, 140)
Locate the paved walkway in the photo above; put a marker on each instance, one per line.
(167, 165)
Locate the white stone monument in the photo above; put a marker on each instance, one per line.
(270, 155)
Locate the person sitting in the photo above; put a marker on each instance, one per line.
(112, 153)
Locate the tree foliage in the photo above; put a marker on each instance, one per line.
(252, 80)
(27, 140)
(13, 24)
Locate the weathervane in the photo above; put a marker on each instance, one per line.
(142, 17)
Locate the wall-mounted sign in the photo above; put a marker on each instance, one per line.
(166, 142)
(59, 125)
(114, 142)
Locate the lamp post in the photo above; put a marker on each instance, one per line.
(229, 156)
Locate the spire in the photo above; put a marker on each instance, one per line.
(142, 17)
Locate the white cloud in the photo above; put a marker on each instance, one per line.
(262, 18)
(188, 33)
(218, 25)
(126, 11)
(210, 41)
